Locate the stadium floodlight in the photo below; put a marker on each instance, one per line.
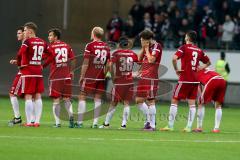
(65, 14)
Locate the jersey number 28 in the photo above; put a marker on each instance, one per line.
(101, 56)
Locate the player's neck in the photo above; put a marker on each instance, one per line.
(96, 39)
(58, 40)
(32, 36)
(188, 42)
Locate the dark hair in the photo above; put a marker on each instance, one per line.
(146, 34)
(222, 55)
(31, 25)
(192, 35)
(20, 28)
(56, 32)
(123, 42)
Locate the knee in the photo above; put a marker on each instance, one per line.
(139, 100)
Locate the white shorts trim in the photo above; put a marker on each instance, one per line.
(31, 76)
(59, 79)
(178, 89)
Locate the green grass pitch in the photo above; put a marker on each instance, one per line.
(102, 144)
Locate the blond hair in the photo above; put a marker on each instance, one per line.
(98, 32)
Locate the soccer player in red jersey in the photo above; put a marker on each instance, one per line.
(92, 78)
(31, 68)
(150, 57)
(187, 87)
(60, 75)
(121, 67)
(214, 90)
(16, 86)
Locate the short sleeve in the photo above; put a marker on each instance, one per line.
(23, 53)
(25, 43)
(87, 51)
(156, 51)
(180, 52)
(108, 53)
(48, 52)
(204, 58)
(71, 53)
(46, 47)
(135, 57)
(113, 58)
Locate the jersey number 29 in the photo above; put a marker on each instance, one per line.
(62, 55)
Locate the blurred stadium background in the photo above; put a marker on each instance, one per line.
(128, 17)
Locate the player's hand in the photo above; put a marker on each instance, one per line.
(179, 72)
(144, 44)
(80, 79)
(13, 61)
(200, 68)
(72, 75)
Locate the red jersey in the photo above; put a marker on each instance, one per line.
(124, 61)
(204, 76)
(31, 51)
(190, 56)
(98, 53)
(150, 70)
(61, 55)
(19, 59)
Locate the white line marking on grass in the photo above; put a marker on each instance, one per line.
(120, 139)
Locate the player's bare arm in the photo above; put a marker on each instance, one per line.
(174, 62)
(111, 70)
(73, 63)
(151, 58)
(140, 55)
(107, 68)
(84, 69)
(204, 66)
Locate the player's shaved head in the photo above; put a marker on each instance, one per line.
(146, 34)
(192, 35)
(98, 32)
(56, 32)
(32, 26)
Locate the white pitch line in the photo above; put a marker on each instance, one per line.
(120, 139)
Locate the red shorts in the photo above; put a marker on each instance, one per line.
(32, 85)
(16, 86)
(147, 88)
(60, 88)
(122, 92)
(214, 91)
(93, 86)
(185, 91)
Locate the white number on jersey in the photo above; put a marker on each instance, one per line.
(101, 56)
(62, 55)
(38, 51)
(194, 61)
(126, 64)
